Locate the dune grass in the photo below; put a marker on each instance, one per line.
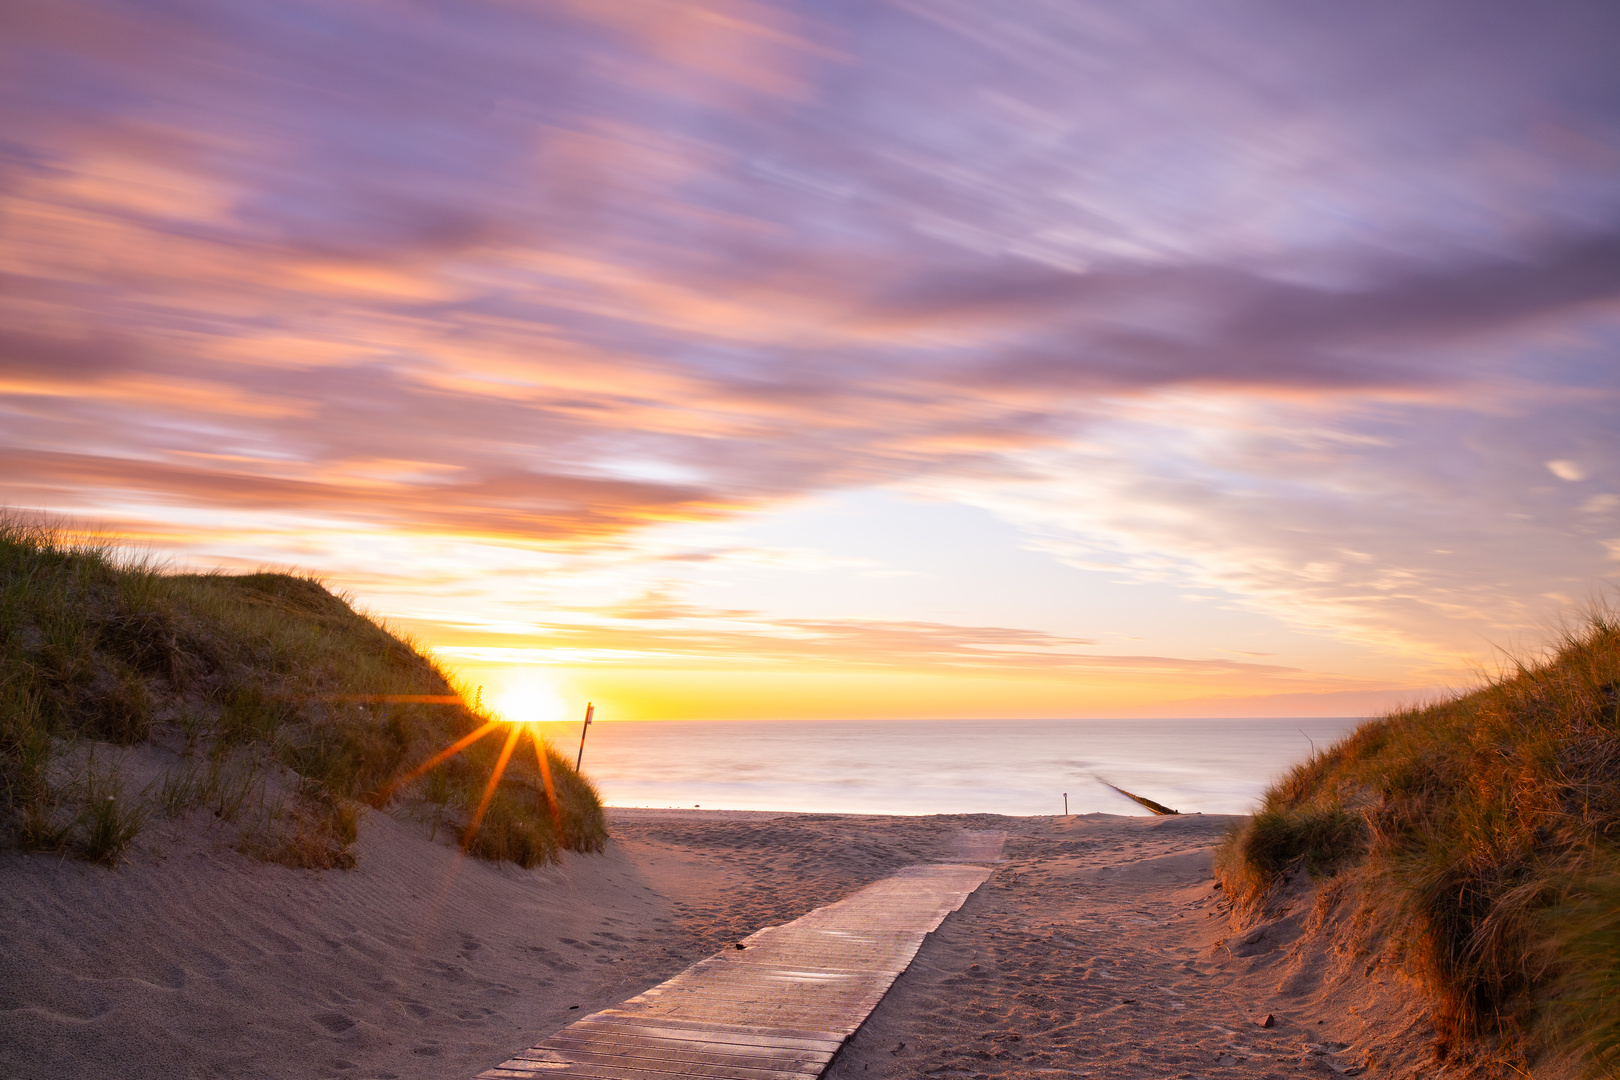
(279, 700)
(1484, 836)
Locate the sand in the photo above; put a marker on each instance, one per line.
(1099, 948)
(1102, 948)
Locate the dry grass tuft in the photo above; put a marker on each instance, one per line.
(314, 834)
(1485, 835)
(267, 686)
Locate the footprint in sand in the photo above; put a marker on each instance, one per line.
(336, 1023)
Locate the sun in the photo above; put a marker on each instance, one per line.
(529, 697)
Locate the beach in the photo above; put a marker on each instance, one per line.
(1098, 947)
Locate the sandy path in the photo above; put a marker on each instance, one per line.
(1099, 950)
(728, 873)
(192, 961)
(781, 1002)
(1091, 952)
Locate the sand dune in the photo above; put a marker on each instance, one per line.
(419, 962)
(1098, 949)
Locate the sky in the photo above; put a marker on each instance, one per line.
(738, 359)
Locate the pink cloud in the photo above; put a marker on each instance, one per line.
(586, 268)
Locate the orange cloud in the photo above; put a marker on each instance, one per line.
(548, 276)
(529, 506)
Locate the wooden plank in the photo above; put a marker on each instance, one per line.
(722, 1028)
(765, 1005)
(676, 1002)
(663, 1028)
(769, 981)
(776, 975)
(572, 1062)
(829, 1029)
(763, 1057)
(699, 1065)
(765, 1009)
(783, 990)
(741, 992)
(618, 1065)
(778, 1009)
(755, 1057)
(624, 1071)
(676, 1051)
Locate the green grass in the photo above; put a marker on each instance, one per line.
(252, 680)
(1484, 836)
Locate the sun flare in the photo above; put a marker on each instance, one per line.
(518, 704)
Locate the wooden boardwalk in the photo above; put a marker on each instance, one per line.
(776, 1009)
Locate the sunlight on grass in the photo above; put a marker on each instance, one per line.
(276, 704)
(1481, 836)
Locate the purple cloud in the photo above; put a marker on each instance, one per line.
(566, 270)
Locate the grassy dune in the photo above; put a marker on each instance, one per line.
(255, 703)
(1481, 837)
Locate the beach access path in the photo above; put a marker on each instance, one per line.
(1099, 948)
(776, 1005)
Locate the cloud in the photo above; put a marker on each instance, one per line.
(1435, 539)
(494, 504)
(1328, 703)
(751, 639)
(34, 357)
(1601, 504)
(1276, 301)
(1566, 470)
(1150, 327)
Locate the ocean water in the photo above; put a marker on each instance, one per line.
(942, 766)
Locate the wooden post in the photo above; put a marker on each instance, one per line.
(1065, 804)
(590, 711)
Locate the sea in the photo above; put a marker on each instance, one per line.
(1018, 767)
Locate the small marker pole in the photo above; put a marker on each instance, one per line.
(590, 711)
(1065, 804)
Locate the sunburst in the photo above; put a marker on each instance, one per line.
(515, 730)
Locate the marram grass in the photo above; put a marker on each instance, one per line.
(1484, 836)
(265, 686)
